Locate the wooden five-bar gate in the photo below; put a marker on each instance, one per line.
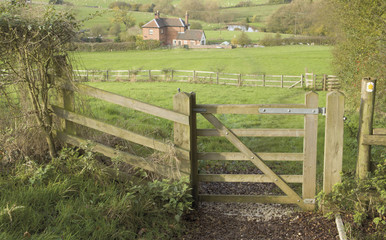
(184, 116)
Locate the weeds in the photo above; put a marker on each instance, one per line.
(72, 197)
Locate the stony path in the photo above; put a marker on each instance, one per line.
(256, 221)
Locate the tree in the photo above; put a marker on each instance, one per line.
(360, 50)
(30, 42)
(243, 39)
(123, 16)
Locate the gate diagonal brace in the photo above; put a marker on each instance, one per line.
(258, 161)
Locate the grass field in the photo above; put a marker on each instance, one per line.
(225, 35)
(270, 60)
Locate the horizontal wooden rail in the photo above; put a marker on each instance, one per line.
(136, 161)
(238, 156)
(374, 140)
(261, 178)
(116, 131)
(242, 108)
(379, 131)
(254, 132)
(133, 104)
(246, 198)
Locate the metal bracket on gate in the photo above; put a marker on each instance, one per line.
(309, 201)
(292, 111)
(199, 110)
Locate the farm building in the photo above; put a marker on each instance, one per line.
(172, 31)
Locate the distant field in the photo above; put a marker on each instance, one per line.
(270, 60)
(225, 35)
(105, 3)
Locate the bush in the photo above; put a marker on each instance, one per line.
(363, 201)
(103, 47)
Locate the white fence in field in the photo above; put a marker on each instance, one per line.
(322, 82)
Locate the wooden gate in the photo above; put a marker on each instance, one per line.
(310, 111)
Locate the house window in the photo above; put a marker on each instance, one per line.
(162, 31)
(185, 42)
(192, 42)
(150, 31)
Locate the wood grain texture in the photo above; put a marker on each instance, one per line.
(261, 178)
(238, 156)
(333, 141)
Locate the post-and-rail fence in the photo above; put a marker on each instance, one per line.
(308, 80)
(184, 117)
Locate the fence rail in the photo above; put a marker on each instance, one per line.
(317, 82)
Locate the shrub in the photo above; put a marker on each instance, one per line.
(364, 201)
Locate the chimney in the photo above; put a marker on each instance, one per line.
(187, 19)
(156, 15)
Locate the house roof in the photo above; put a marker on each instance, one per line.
(165, 22)
(190, 35)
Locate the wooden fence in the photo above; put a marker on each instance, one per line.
(309, 80)
(185, 130)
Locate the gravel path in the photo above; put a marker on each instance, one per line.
(245, 221)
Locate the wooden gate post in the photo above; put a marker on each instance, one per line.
(365, 126)
(310, 147)
(333, 141)
(66, 97)
(185, 137)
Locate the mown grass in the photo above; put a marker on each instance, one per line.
(288, 60)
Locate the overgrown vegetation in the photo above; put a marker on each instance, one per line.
(362, 202)
(30, 42)
(75, 197)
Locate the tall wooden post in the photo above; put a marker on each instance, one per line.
(365, 126)
(66, 97)
(185, 137)
(172, 78)
(333, 141)
(107, 75)
(217, 78)
(149, 75)
(324, 82)
(239, 80)
(310, 147)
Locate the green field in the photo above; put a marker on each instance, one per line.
(286, 60)
(225, 35)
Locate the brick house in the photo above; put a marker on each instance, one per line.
(172, 31)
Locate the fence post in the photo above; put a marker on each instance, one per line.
(172, 75)
(324, 82)
(107, 75)
(185, 137)
(87, 75)
(310, 147)
(263, 80)
(365, 126)
(217, 78)
(240, 81)
(282, 81)
(149, 75)
(314, 81)
(333, 141)
(66, 97)
(301, 80)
